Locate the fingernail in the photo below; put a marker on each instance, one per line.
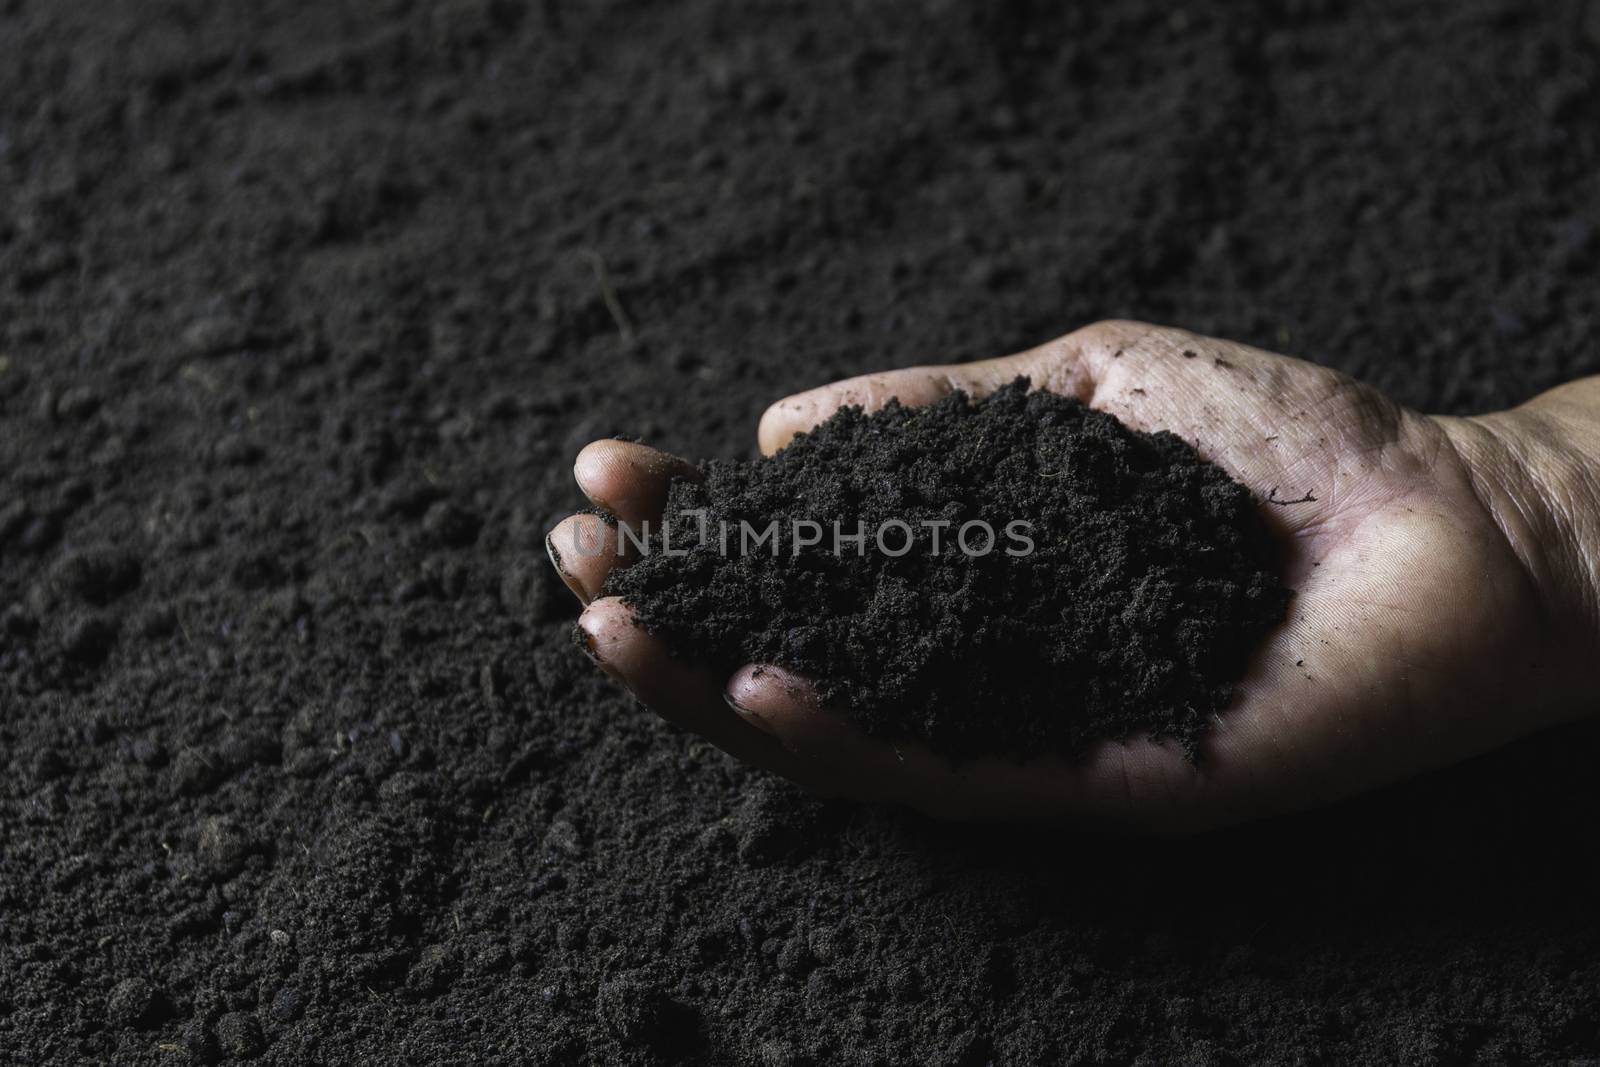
(746, 714)
(555, 561)
(591, 648)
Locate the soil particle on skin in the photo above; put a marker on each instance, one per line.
(1113, 584)
(278, 278)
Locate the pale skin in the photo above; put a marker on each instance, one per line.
(1446, 577)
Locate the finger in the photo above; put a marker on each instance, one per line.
(629, 480)
(1119, 784)
(583, 550)
(1051, 366)
(686, 695)
(785, 706)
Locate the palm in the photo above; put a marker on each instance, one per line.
(1371, 677)
(1383, 667)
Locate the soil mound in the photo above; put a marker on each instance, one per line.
(1016, 574)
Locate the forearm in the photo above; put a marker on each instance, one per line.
(1537, 470)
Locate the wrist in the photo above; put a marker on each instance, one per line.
(1536, 470)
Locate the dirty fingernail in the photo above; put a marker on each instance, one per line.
(745, 713)
(591, 648)
(571, 582)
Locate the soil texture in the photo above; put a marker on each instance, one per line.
(1019, 575)
(305, 309)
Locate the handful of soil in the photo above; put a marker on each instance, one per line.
(1016, 575)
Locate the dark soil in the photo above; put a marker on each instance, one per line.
(305, 309)
(1031, 575)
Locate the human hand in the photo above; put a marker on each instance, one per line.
(1446, 573)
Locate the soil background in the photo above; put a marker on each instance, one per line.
(303, 314)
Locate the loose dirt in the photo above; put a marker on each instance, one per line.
(301, 328)
(1026, 576)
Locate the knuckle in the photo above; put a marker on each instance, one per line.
(1105, 331)
(1114, 333)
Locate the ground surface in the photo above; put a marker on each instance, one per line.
(301, 321)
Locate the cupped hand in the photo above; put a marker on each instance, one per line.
(1442, 603)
